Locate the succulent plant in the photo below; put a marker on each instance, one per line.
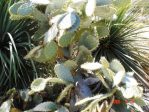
(124, 43)
(93, 87)
(15, 42)
(69, 39)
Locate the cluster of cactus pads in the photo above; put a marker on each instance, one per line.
(71, 30)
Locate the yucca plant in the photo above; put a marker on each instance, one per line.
(15, 42)
(126, 43)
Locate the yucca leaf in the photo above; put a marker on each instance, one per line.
(15, 71)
